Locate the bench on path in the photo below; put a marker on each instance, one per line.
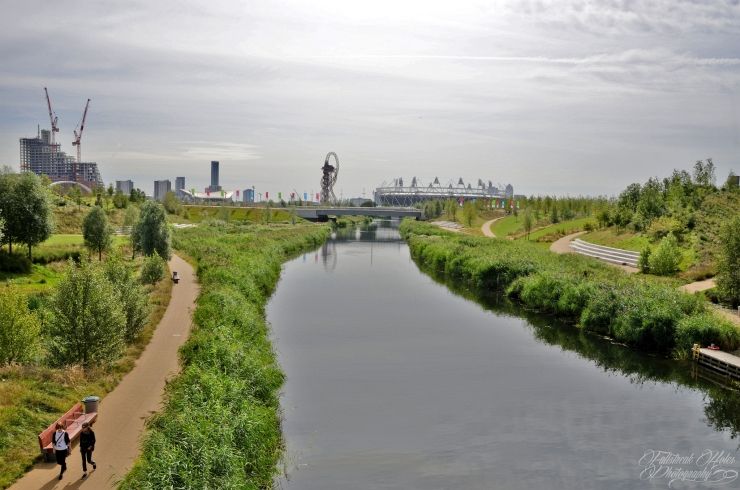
(72, 422)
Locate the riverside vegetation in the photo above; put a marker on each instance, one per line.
(640, 311)
(220, 425)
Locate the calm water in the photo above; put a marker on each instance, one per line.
(395, 381)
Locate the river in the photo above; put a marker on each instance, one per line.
(395, 381)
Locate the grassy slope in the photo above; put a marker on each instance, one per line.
(196, 214)
(550, 233)
(220, 426)
(31, 398)
(638, 310)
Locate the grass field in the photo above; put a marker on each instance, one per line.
(508, 225)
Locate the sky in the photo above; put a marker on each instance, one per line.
(569, 97)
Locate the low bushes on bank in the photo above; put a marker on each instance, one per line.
(636, 310)
(220, 426)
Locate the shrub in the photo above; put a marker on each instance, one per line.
(666, 257)
(133, 297)
(728, 276)
(19, 327)
(14, 263)
(705, 329)
(152, 271)
(644, 262)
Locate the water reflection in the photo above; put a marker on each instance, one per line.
(395, 381)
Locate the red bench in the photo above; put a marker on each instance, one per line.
(72, 422)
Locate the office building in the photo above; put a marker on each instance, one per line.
(179, 184)
(248, 195)
(214, 177)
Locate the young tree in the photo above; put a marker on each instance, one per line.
(96, 231)
(132, 295)
(19, 328)
(469, 213)
(153, 269)
(120, 201)
(728, 267)
(527, 222)
(171, 203)
(76, 195)
(451, 209)
(666, 257)
(88, 324)
(554, 218)
(151, 233)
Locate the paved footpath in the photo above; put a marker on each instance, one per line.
(124, 410)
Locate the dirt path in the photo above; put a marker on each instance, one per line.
(449, 226)
(562, 246)
(486, 227)
(698, 286)
(124, 410)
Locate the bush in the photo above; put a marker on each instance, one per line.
(14, 263)
(133, 297)
(644, 262)
(19, 328)
(666, 257)
(705, 329)
(153, 269)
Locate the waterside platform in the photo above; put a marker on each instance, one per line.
(719, 361)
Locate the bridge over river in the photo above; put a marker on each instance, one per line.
(324, 213)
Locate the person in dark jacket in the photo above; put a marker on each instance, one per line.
(87, 446)
(60, 442)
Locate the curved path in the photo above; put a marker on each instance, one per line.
(562, 245)
(124, 410)
(486, 227)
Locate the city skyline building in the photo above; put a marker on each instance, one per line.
(214, 177)
(40, 156)
(125, 186)
(161, 188)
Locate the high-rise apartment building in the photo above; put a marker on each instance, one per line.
(125, 186)
(161, 187)
(179, 185)
(248, 195)
(39, 156)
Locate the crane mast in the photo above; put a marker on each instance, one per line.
(54, 127)
(78, 139)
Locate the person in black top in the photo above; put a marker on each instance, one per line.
(60, 442)
(87, 445)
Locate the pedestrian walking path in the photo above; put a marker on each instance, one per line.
(124, 410)
(486, 227)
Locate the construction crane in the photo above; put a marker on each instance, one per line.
(78, 139)
(54, 128)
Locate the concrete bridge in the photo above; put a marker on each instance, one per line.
(324, 213)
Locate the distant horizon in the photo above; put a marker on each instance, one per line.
(572, 98)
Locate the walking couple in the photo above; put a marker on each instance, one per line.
(62, 447)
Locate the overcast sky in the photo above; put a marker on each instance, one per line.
(559, 97)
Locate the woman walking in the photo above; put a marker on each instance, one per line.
(60, 441)
(87, 446)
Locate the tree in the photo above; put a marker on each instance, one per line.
(554, 218)
(527, 222)
(153, 269)
(120, 201)
(644, 262)
(132, 295)
(19, 328)
(451, 209)
(96, 231)
(25, 207)
(728, 267)
(704, 174)
(469, 213)
(630, 197)
(88, 323)
(76, 195)
(151, 234)
(171, 203)
(651, 204)
(666, 257)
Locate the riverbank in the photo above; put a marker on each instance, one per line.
(638, 311)
(220, 425)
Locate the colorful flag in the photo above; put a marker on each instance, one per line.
(267, 195)
(305, 196)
